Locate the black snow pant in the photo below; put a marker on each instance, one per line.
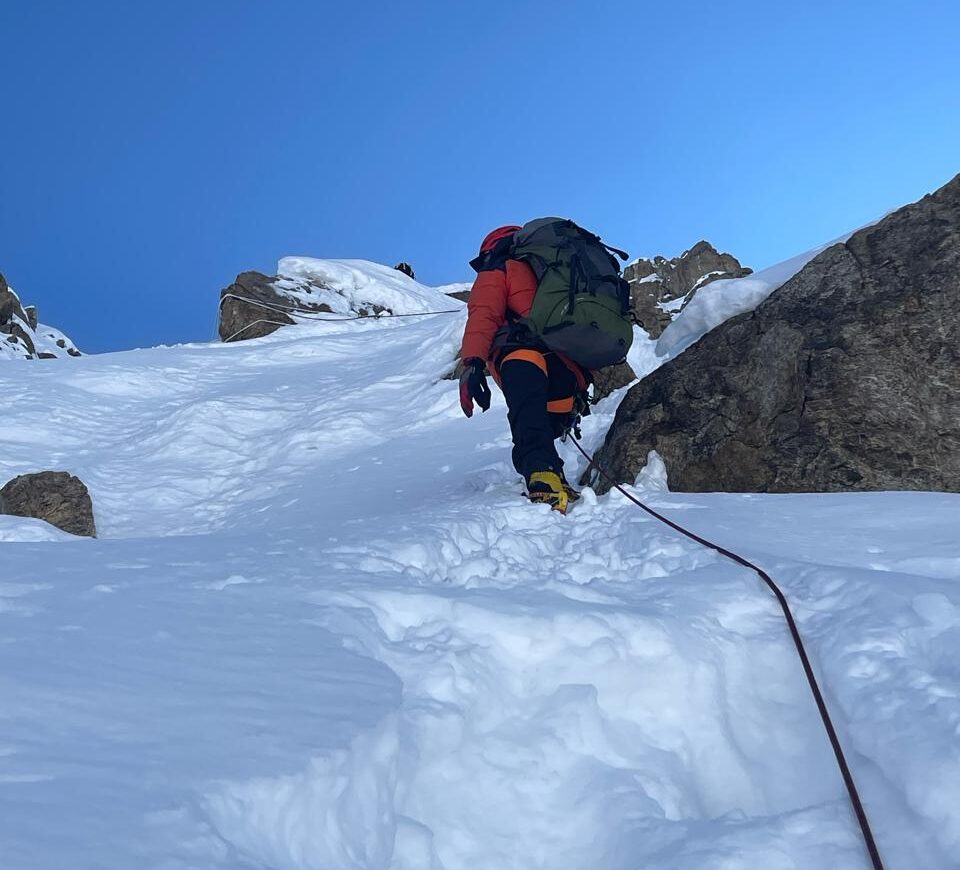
(540, 392)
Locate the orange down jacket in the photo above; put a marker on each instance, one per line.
(495, 291)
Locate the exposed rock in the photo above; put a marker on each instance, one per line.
(19, 337)
(372, 311)
(9, 304)
(251, 308)
(462, 295)
(14, 323)
(606, 381)
(407, 270)
(846, 378)
(54, 496)
(22, 336)
(660, 288)
(256, 305)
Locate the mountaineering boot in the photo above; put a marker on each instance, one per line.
(546, 487)
(572, 494)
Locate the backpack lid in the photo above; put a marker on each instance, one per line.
(495, 236)
(494, 249)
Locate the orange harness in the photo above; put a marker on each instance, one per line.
(557, 406)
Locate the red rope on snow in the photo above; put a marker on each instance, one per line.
(845, 772)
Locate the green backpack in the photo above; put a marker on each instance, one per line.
(582, 305)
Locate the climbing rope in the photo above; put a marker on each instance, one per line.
(307, 314)
(845, 772)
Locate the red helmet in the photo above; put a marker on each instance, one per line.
(496, 236)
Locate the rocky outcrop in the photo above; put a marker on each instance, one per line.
(22, 336)
(251, 307)
(846, 378)
(256, 305)
(14, 323)
(660, 288)
(54, 496)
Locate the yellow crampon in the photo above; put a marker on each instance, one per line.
(572, 494)
(547, 487)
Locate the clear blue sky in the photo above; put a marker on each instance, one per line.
(151, 151)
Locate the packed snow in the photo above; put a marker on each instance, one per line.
(322, 629)
(673, 305)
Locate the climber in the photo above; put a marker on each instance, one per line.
(543, 389)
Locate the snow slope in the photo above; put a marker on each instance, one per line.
(322, 630)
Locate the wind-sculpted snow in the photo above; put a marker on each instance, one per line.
(360, 284)
(321, 629)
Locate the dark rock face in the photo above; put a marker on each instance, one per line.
(55, 496)
(254, 306)
(846, 378)
(9, 303)
(462, 295)
(606, 381)
(658, 281)
(241, 319)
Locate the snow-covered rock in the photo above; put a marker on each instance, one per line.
(721, 299)
(306, 288)
(845, 378)
(459, 290)
(660, 288)
(22, 336)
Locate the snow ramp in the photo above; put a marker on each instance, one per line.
(322, 629)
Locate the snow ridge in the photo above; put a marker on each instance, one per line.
(354, 284)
